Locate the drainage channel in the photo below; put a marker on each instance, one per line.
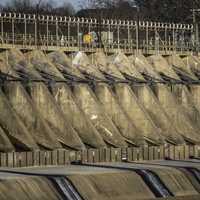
(66, 188)
(195, 172)
(61, 183)
(150, 178)
(191, 170)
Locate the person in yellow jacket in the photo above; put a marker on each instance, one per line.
(87, 39)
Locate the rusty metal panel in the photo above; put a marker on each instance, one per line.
(172, 152)
(167, 151)
(130, 154)
(151, 153)
(20, 159)
(36, 158)
(156, 153)
(91, 155)
(107, 155)
(191, 151)
(186, 152)
(102, 155)
(54, 157)
(30, 159)
(10, 159)
(146, 153)
(3, 160)
(197, 151)
(116, 155)
(84, 158)
(72, 156)
(135, 153)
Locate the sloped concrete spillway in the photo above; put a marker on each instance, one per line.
(103, 181)
(78, 101)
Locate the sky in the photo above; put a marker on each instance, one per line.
(75, 3)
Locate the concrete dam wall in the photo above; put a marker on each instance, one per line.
(76, 101)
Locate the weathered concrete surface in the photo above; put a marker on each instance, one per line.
(47, 106)
(5, 143)
(90, 104)
(113, 186)
(176, 182)
(109, 101)
(180, 67)
(82, 62)
(144, 67)
(30, 188)
(116, 113)
(126, 67)
(151, 103)
(65, 98)
(84, 127)
(10, 122)
(22, 103)
(162, 67)
(182, 92)
(131, 104)
(193, 63)
(36, 126)
(95, 112)
(173, 178)
(177, 114)
(64, 65)
(106, 66)
(171, 103)
(13, 126)
(137, 114)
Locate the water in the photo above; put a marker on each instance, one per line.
(158, 187)
(67, 188)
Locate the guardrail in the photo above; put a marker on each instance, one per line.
(65, 157)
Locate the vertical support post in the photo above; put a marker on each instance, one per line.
(174, 48)
(138, 30)
(109, 37)
(157, 45)
(118, 39)
(68, 32)
(36, 32)
(78, 30)
(13, 32)
(137, 37)
(25, 31)
(196, 31)
(147, 37)
(166, 39)
(47, 32)
(2, 30)
(129, 38)
(57, 39)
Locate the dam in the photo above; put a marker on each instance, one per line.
(99, 120)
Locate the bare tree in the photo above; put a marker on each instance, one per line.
(39, 7)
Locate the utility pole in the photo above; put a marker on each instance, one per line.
(137, 28)
(37, 21)
(196, 30)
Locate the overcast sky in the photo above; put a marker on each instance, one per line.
(75, 3)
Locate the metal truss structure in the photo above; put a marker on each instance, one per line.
(54, 32)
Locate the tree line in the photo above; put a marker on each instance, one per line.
(48, 7)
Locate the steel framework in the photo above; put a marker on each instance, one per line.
(51, 32)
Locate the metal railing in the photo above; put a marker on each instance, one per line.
(68, 32)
